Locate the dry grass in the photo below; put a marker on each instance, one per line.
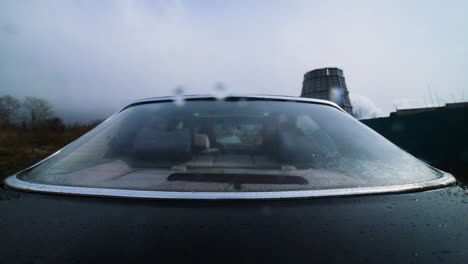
(20, 148)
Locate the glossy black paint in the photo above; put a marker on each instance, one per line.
(423, 227)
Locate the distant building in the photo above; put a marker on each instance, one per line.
(411, 111)
(328, 84)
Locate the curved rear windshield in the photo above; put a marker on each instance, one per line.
(246, 145)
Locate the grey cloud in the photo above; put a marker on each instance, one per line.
(91, 57)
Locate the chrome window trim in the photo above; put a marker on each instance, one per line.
(16, 183)
(249, 96)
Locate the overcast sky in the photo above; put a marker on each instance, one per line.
(89, 58)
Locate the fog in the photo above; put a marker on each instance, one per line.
(89, 58)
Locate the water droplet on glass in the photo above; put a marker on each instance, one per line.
(336, 95)
(398, 127)
(179, 96)
(266, 210)
(220, 91)
(242, 102)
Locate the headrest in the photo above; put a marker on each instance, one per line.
(153, 143)
(201, 141)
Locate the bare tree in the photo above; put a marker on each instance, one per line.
(54, 123)
(9, 106)
(37, 110)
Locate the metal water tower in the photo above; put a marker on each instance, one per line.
(328, 84)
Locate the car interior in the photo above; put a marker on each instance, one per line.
(229, 140)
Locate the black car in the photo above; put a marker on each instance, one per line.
(238, 179)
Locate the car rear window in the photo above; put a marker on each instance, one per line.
(232, 145)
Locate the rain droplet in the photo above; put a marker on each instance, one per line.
(266, 210)
(220, 91)
(179, 96)
(336, 95)
(242, 102)
(398, 127)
